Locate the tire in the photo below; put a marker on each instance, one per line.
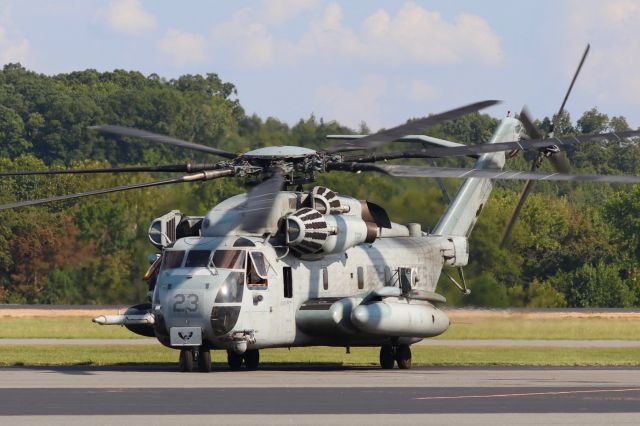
(234, 360)
(252, 359)
(204, 361)
(387, 357)
(185, 361)
(403, 357)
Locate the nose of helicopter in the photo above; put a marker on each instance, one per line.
(209, 303)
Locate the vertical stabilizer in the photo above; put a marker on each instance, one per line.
(464, 210)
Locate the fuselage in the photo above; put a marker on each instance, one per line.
(252, 291)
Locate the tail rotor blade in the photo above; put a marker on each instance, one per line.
(573, 81)
(516, 211)
(560, 162)
(557, 158)
(532, 129)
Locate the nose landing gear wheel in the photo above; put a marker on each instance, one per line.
(403, 357)
(252, 359)
(234, 360)
(204, 361)
(186, 360)
(387, 357)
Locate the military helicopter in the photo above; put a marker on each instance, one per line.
(282, 266)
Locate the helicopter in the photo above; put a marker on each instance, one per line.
(281, 266)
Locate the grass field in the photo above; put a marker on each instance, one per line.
(465, 325)
(59, 328)
(462, 327)
(429, 356)
(565, 328)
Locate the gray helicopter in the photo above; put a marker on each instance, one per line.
(290, 268)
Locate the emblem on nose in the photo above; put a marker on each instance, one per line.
(185, 336)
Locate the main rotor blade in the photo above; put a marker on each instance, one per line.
(557, 159)
(154, 137)
(182, 168)
(573, 81)
(459, 151)
(380, 138)
(453, 172)
(260, 203)
(205, 175)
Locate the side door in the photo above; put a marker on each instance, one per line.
(261, 283)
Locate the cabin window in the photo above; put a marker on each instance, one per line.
(257, 268)
(360, 277)
(406, 279)
(288, 282)
(387, 276)
(229, 259)
(172, 259)
(325, 279)
(198, 258)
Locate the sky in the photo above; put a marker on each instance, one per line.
(375, 61)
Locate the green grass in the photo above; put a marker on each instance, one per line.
(516, 327)
(60, 328)
(513, 327)
(422, 355)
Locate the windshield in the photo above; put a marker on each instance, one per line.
(229, 259)
(172, 259)
(197, 258)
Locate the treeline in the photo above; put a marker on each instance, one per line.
(574, 245)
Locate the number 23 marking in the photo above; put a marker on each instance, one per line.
(185, 303)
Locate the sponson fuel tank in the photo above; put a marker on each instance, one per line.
(400, 319)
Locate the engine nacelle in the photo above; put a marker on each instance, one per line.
(310, 232)
(456, 251)
(168, 228)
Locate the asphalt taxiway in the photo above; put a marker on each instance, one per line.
(320, 395)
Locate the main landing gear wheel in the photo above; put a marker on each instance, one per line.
(234, 360)
(403, 357)
(204, 361)
(252, 359)
(387, 357)
(186, 360)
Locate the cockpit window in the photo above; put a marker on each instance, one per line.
(260, 264)
(257, 270)
(229, 259)
(231, 289)
(198, 258)
(172, 259)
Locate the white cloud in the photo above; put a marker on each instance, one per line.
(184, 48)
(611, 73)
(353, 105)
(418, 91)
(13, 50)
(280, 11)
(414, 35)
(128, 16)
(248, 39)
